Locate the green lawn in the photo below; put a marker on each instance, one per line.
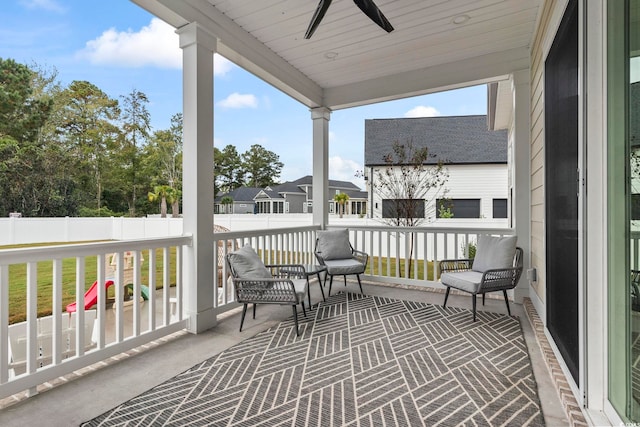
(390, 269)
(18, 280)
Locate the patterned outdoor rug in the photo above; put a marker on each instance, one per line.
(363, 360)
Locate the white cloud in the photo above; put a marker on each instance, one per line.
(422, 111)
(50, 5)
(154, 45)
(239, 100)
(344, 170)
(221, 65)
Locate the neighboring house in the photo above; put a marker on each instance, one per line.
(243, 201)
(475, 157)
(290, 197)
(357, 197)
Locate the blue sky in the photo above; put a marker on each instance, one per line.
(120, 47)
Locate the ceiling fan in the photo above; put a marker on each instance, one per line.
(367, 6)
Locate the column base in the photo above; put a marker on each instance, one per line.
(202, 321)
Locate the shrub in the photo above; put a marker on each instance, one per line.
(102, 212)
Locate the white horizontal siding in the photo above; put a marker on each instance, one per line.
(484, 182)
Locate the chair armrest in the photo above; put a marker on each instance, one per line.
(500, 279)
(361, 256)
(287, 270)
(319, 258)
(265, 290)
(451, 265)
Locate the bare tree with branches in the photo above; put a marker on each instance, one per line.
(409, 184)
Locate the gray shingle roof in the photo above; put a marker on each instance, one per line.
(334, 183)
(454, 139)
(287, 187)
(242, 194)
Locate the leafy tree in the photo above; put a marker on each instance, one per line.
(162, 160)
(135, 127)
(22, 113)
(85, 119)
(228, 167)
(24, 110)
(341, 199)
(408, 185)
(262, 166)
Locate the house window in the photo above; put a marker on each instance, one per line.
(278, 207)
(500, 208)
(358, 207)
(635, 207)
(263, 207)
(460, 208)
(403, 208)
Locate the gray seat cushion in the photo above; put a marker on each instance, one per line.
(344, 266)
(334, 244)
(468, 281)
(247, 264)
(494, 252)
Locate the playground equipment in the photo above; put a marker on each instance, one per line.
(111, 264)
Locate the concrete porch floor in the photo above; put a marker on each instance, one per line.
(96, 389)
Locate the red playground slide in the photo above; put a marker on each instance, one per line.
(90, 297)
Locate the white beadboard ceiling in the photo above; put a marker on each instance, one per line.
(350, 60)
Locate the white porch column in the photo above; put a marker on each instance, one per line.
(521, 175)
(198, 47)
(320, 192)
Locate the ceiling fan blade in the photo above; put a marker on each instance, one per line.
(372, 11)
(317, 17)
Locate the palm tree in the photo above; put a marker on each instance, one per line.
(162, 192)
(341, 199)
(173, 198)
(226, 201)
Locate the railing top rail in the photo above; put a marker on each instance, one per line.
(45, 253)
(451, 230)
(263, 232)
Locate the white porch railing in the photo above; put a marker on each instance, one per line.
(58, 344)
(389, 250)
(43, 348)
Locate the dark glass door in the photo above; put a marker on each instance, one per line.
(561, 189)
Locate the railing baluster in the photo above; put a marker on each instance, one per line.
(102, 300)
(152, 289)
(179, 289)
(137, 263)
(80, 290)
(119, 296)
(32, 318)
(166, 296)
(4, 323)
(56, 317)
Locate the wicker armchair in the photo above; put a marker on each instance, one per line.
(256, 283)
(334, 251)
(497, 267)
